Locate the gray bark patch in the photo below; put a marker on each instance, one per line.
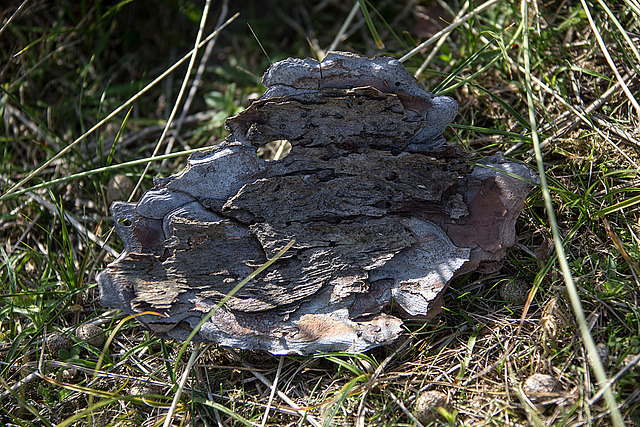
(383, 214)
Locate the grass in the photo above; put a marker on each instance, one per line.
(544, 91)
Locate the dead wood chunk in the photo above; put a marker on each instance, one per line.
(381, 211)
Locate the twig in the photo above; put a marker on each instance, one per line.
(372, 381)
(624, 135)
(112, 114)
(26, 380)
(183, 380)
(273, 391)
(404, 408)
(632, 399)
(196, 81)
(26, 405)
(82, 230)
(445, 31)
(440, 42)
(612, 380)
(605, 51)
(192, 60)
(594, 106)
(12, 111)
(266, 382)
(577, 111)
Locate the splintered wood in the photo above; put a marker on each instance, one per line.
(383, 213)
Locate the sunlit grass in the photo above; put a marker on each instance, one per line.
(85, 96)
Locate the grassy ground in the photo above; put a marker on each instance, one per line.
(566, 83)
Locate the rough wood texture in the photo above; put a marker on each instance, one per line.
(380, 208)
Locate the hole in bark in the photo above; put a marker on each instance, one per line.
(274, 150)
(124, 221)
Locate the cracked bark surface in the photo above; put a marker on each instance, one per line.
(381, 210)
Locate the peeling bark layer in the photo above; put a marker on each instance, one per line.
(381, 211)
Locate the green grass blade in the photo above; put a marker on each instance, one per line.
(343, 394)
(228, 296)
(50, 183)
(130, 101)
(370, 25)
(440, 89)
(227, 411)
(632, 201)
(594, 359)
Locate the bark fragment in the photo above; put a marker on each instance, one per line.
(381, 210)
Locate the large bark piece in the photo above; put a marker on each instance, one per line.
(380, 208)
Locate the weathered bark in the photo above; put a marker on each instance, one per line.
(379, 207)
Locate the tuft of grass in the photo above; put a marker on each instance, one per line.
(86, 91)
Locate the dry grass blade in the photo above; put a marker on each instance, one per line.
(183, 87)
(372, 27)
(345, 25)
(621, 30)
(82, 230)
(232, 293)
(303, 413)
(595, 361)
(614, 68)
(178, 393)
(13, 16)
(635, 270)
(274, 387)
(25, 404)
(97, 171)
(578, 112)
(114, 113)
(588, 112)
(533, 414)
(456, 23)
(621, 133)
(403, 408)
(69, 74)
(196, 81)
(360, 420)
(440, 42)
